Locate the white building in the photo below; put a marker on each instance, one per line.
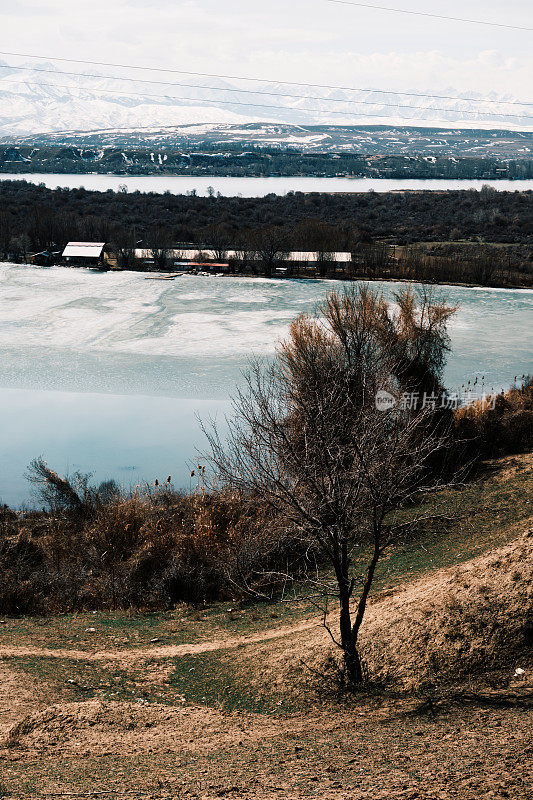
(85, 253)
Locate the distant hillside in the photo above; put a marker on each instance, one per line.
(240, 160)
(335, 139)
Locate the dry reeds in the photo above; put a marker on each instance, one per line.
(500, 428)
(151, 549)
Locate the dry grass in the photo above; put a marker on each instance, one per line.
(466, 622)
(151, 550)
(472, 623)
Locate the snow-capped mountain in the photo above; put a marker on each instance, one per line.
(40, 98)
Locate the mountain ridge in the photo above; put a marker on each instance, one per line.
(40, 99)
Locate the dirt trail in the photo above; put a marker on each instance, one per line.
(17, 698)
(164, 651)
(428, 591)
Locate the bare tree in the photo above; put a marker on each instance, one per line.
(6, 226)
(218, 239)
(270, 246)
(374, 257)
(19, 246)
(244, 251)
(318, 438)
(124, 246)
(160, 246)
(321, 238)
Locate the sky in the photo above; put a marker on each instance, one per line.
(293, 40)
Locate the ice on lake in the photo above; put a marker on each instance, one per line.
(107, 372)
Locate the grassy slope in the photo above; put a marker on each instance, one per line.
(478, 517)
(469, 521)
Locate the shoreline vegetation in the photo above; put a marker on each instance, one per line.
(464, 237)
(94, 547)
(487, 266)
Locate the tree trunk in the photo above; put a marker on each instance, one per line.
(352, 662)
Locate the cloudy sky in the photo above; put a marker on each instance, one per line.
(296, 40)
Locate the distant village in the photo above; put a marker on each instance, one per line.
(253, 161)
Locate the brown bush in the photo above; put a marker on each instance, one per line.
(487, 432)
(151, 549)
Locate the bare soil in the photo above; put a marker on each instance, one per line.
(371, 750)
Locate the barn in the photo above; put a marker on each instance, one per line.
(86, 254)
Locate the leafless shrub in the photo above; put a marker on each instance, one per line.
(154, 548)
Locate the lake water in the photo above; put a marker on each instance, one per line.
(107, 372)
(256, 187)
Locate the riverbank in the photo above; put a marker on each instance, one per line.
(344, 278)
(171, 275)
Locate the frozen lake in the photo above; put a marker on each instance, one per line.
(107, 372)
(256, 187)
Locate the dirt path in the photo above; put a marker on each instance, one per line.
(162, 651)
(17, 697)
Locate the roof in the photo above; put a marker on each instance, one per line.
(84, 249)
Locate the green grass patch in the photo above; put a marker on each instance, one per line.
(72, 680)
(212, 679)
(217, 679)
(100, 630)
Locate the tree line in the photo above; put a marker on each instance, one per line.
(34, 218)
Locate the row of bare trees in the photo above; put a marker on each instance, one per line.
(480, 264)
(262, 250)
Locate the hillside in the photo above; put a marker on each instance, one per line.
(234, 159)
(48, 215)
(400, 140)
(216, 702)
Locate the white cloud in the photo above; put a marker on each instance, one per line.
(306, 40)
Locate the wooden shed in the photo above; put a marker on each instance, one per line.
(86, 254)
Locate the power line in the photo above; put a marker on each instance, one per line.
(434, 16)
(237, 77)
(271, 94)
(261, 105)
